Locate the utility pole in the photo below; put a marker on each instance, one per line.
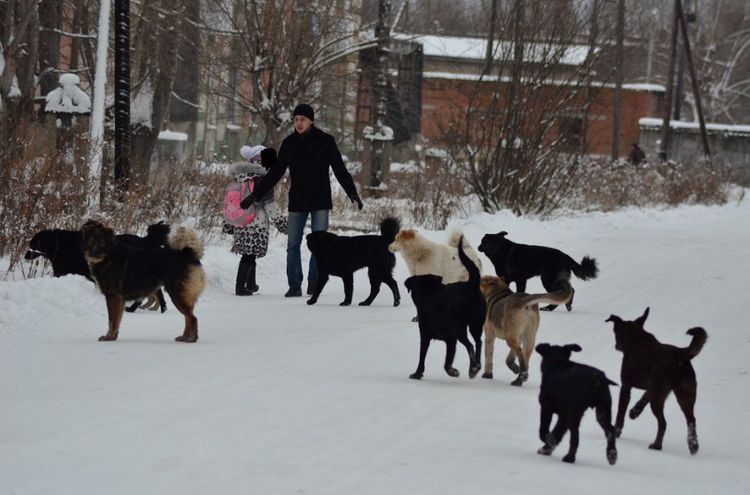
(667, 114)
(378, 133)
(122, 96)
(619, 77)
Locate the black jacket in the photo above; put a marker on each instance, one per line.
(308, 157)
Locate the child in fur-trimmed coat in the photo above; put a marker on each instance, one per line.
(251, 240)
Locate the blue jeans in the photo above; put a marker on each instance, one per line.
(297, 220)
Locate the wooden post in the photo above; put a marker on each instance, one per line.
(664, 147)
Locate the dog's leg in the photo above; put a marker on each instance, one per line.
(348, 289)
(190, 334)
(545, 419)
(510, 362)
(474, 366)
(569, 304)
(322, 281)
(657, 407)
(622, 406)
(550, 286)
(391, 283)
(639, 406)
(476, 330)
(556, 435)
(450, 353)
(424, 344)
(575, 422)
(489, 349)
(604, 418)
(115, 307)
(133, 307)
(374, 287)
(523, 373)
(153, 302)
(686, 400)
(162, 301)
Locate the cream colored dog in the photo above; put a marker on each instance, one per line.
(514, 318)
(424, 257)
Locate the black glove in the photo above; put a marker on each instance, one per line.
(268, 158)
(355, 199)
(248, 201)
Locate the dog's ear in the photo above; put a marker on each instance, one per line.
(572, 348)
(409, 283)
(542, 349)
(642, 319)
(502, 233)
(614, 318)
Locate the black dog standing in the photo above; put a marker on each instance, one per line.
(568, 389)
(520, 262)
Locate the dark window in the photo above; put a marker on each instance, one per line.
(571, 132)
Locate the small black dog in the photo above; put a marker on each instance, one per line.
(568, 389)
(124, 273)
(444, 312)
(63, 249)
(659, 369)
(520, 262)
(342, 256)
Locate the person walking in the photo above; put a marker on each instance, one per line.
(251, 240)
(308, 153)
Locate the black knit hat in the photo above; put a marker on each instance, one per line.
(305, 110)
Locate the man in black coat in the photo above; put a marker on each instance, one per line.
(308, 153)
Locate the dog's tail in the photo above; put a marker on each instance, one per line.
(699, 339)
(587, 269)
(560, 296)
(185, 239)
(158, 233)
(389, 228)
(474, 274)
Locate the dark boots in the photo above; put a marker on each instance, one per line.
(245, 284)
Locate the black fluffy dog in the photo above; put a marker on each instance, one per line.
(568, 389)
(444, 312)
(63, 249)
(124, 273)
(520, 262)
(342, 256)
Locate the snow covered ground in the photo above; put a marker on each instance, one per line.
(279, 398)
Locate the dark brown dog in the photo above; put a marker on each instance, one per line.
(125, 273)
(658, 369)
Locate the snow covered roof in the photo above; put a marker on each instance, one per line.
(726, 129)
(463, 76)
(475, 49)
(173, 136)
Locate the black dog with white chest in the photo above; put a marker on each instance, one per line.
(445, 311)
(568, 389)
(342, 256)
(519, 262)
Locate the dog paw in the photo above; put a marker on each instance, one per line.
(693, 447)
(569, 458)
(545, 450)
(618, 431)
(655, 446)
(188, 340)
(415, 319)
(487, 375)
(569, 307)
(365, 303)
(107, 338)
(164, 309)
(550, 307)
(612, 456)
(130, 309)
(517, 382)
(311, 301)
(345, 303)
(452, 372)
(396, 302)
(473, 370)
(416, 376)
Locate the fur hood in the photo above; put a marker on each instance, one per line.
(241, 171)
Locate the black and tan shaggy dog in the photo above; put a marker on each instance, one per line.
(659, 369)
(64, 250)
(125, 273)
(445, 311)
(568, 389)
(520, 262)
(342, 256)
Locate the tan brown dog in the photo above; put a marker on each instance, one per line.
(514, 318)
(125, 273)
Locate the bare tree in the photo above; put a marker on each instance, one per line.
(280, 50)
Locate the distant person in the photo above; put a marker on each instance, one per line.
(636, 156)
(251, 229)
(308, 153)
